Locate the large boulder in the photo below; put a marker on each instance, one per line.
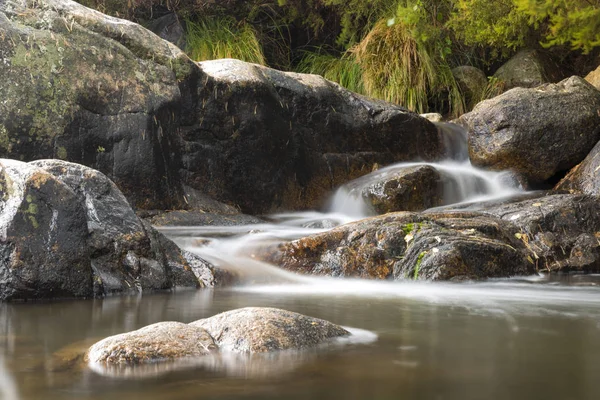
(104, 92)
(270, 140)
(528, 68)
(69, 232)
(43, 236)
(472, 83)
(434, 246)
(594, 78)
(153, 343)
(260, 330)
(535, 132)
(561, 232)
(584, 178)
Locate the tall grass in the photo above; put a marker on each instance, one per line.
(343, 69)
(224, 37)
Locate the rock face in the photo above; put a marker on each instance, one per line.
(247, 330)
(120, 113)
(594, 78)
(584, 178)
(158, 342)
(471, 82)
(527, 69)
(152, 120)
(169, 28)
(270, 140)
(535, 132)
(260, 330)
(451, 246)
(69, 232)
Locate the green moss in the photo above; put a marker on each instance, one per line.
(408, 228)
(418, 264)
(61, 153)
(33, 221)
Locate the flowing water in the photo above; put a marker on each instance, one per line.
(533, 337)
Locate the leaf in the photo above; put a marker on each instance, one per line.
(518, 235)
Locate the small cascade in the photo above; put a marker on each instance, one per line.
(461, 182)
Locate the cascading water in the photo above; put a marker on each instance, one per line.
(232, 248)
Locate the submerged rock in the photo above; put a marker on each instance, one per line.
(158, 342)
(246, 331)
(536, 132)
(261, 329)
(69, 232)
(528, 68)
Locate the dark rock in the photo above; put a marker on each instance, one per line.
(43, 231)
(198, 218)
(169, 28)
(561, 231)
(69, 232)
(158, 342)
(536, 132)
(583, 178)
(472, 83)
(96, 90)
(269, 140)
(410, 246)
(594, 78)
(259, 330)
(528, 68)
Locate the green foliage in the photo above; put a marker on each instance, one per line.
(574, 22)
(343, 70)
(214, 38)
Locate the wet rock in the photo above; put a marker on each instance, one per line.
(69, 232)
(594, 78)
(158, 342)
(451, 246)
(43, 231)
(433, 117)
(560, 231)
(528, 68)
(81, 86)
(536, 132)
(259, 330)
(584, 178)
(198, 218)
(279, 140)
(472, 83)
(169, 28)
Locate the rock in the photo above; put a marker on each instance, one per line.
(528, 68)
(443, 246)
(198, 218)
(260, 330)
(413, 188)
(594, 78)
(81, 86)
(43, 233)
(433, 117)
(158, 342)
(269, 140)
(472, 83)
(69, 232)
(169, 28)
(584, 178)
(561, 231)
(535, 132)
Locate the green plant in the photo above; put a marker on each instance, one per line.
(224, 37)
(341, 69)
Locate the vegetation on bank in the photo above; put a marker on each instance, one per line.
(402, 51)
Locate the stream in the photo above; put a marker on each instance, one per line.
(517, 338)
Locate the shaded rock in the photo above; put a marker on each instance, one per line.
(169, 28)
(120, 112)
(535, 132)
(269, 140)
(528, 68)
(471, 81)
(43, 233)
(259, 330)
(158, 342)
(594, 78)
(561, 231)
(69, 232)
(198, 218)
(410, 246)
(584, 178)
